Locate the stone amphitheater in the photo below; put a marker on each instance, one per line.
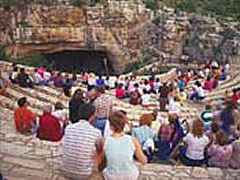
(27, 158)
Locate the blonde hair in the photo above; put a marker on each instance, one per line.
(146, 119)
(198, 128)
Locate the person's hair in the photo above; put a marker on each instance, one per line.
(214, 127)
(181, 90)
(78, 94)
(208, 78)
(22, 70)
(120, 85)
(117, 120)
(198, 83)
(221, 138)
(172, 118)
(208, 107)
(136, 85)
(145, 81)
(145, 91)
(146, 119)
(15, 68)
(22, 101)
(58, 106)
(198, 128)
(86, 111)
(234, 90)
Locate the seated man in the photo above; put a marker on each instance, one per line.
(79, 145)
(25, 119)
(49, 126)
(24, 80)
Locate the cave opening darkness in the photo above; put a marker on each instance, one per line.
(81, 61)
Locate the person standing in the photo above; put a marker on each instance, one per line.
(103, 104)
(164, 90)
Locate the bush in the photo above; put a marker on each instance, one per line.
(3, 55)
(35, 60)
(151, 4)
(78, 3)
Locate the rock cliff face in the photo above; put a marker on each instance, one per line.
(127, 32)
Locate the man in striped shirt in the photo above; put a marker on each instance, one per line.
(79, 145)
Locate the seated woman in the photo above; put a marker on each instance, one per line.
(199, 93)
(120, 93)
(220, 153)
(223, 75)
(145, 135)
(195, 143)
(146, 97)
(169, 135)
(235, 159)
(118, 150)
(208, 84)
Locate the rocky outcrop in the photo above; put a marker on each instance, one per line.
(127, 31)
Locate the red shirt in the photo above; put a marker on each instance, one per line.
(119, 93)
(24, 119)
(235, 97)
(50, 128)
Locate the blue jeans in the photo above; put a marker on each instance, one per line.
(195, 96)
(100, 124)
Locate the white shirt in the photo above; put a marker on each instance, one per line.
(46, 75)
(146, 99)
(147, 87)
(91, 81)
(196, 146)
(37, 77)
(200, 92)
(174, 107)
(112, 81)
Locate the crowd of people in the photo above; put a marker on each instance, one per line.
(99, 138)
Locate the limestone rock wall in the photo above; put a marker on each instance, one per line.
(127, 31)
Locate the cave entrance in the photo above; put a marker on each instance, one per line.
(81, 60)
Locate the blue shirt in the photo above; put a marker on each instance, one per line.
(119, 153)
(143, 133)
(100, 82)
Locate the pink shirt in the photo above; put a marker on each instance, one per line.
(220, 156)
(208, 85)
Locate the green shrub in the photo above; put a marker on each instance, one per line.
(151, 4)
(35, 60)
(78, 3)
(3, 55)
